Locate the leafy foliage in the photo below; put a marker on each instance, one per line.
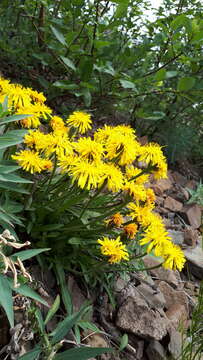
(115, 60)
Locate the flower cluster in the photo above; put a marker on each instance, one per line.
(112, 158)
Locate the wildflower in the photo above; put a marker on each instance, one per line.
(115, 249)
(115, 219)
(30, 161)
(19, 96)
(113, 177)
(36, 96)
(59, 144)
(89, 149)
(130, 230)
(151, 153)
(57, 124)
(150, 196)
(102, 135)
(86, 174)
(173, 257)
(122, 149)
(66, 161)
(80, 120)
(137, 191)
(37, 111)
(161, 170)
(132, 172)
(38, 140)
(143, 214)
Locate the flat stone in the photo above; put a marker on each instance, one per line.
(160, 186)
(177, 315)
(173, 296)
(176, 236)
(162, 274)
(154, 298)
(194, 258)
(191, 236)
(175, 344)
(172, 204)
(178, 178)
(156, 351)
(192, 214)
(135, 316)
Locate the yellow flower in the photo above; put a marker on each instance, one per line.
(161, 171)
(143, 214)
(37, 111)
(151, 153)
(122, 148)
(137, 191)
(102, 135)
(57, 124)
(80, 120)
(36, 96)
(89, 149)
(115, 219)
(38, 140)
(115, 249)
(31, 161)
(19, 96)
(113, 177)
(173, 257)
(130, 230)
(67, 161)
(86, 174)
(132, 171)
(59, 144)
(150, 196)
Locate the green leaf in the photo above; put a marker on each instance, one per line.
(75, 241)
(160, 75)
(40, 321)
(171, 74)
(179, 21)
(13, 118)
(31, 355)
(12, 137)
(66, 85)
(59, 36)
(27, 291)
(66, 325)
(123, 342)
(27, 254)
(186, 83)
(14, 179)
(68, 63)
(6, 169)
(53, 309)
(82, 353)
(13, 187)
(64, 289)
(197, 37)
(127, 84)
(6, 299)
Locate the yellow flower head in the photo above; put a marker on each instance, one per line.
(80, 120)
(37, 111)
(102, 135)
(89, 149)
(86, 174)
(115, 219)
(173, 257)
(57, 124)
(151, 153)
(121, 148)
(137, 191)
(113, 177)
(38, 140)
(59, 144)
(130, 230)
(132, 172)
(36, 96)
(31, 161)
(18, 96)
(114, 249)
(150, 196)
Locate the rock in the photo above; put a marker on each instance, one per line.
(156, 351)
(161, 274)
(77, 296)
(177, 315)
(172, 204)
(173, 296)
(143, 140)
(185, 193)
(192, 215)
(195, 261)
(176, 236)
(191, 184)
(160, 186)
(191, 236)
(154, 298)
(178, 178)
(175, 344)
(136, 317)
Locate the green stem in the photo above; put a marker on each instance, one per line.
(91, 199)
(52, 174)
